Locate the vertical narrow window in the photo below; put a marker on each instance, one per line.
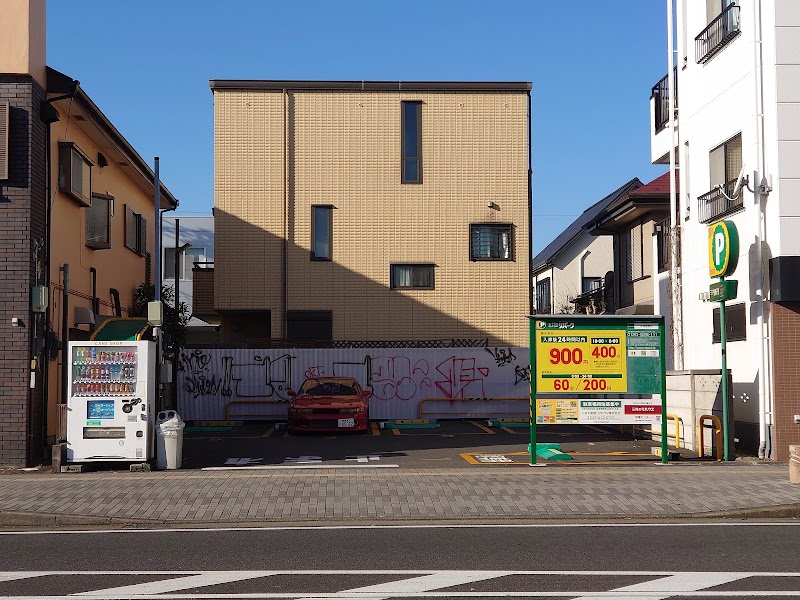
(321, 232)
(98, 222)
(412, 142)
(135, 231)
(543, 305)
(634, 258)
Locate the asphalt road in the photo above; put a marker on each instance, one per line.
(571, 560)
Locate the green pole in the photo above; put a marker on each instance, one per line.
(723, 338)
(533, 391)
(663, 352)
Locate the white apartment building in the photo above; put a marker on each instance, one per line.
(737, 110)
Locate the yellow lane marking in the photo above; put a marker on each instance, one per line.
(396, 432)
(375, 429)
(269, 432)
(509, 430)
(483, 427)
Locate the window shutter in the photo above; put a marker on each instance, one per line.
(4, 140)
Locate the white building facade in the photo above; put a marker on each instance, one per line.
(737, 119)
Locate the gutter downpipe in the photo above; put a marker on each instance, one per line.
(675, 246)
(65, 334)
(764, 402)
(95, 302)
(531, 294)
(285, 240)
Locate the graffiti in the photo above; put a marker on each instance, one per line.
(315, 371)
(399, 379)
(462, 378)
(521, 373)
(502, 356)
(394, 377)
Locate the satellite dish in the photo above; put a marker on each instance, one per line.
(741, 181)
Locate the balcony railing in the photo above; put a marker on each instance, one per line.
(718, 33)
(660, 95)
(719, 202)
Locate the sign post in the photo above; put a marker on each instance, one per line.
(723, 254)
(596, 370)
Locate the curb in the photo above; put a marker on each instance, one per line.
(11, 519)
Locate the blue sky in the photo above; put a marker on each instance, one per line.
(147, 63)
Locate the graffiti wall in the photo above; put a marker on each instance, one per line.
(253, 384)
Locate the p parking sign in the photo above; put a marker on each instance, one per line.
(723, 248)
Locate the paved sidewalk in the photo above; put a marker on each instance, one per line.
(498, 493)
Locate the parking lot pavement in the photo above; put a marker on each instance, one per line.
(461, 443)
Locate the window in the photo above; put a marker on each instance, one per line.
(135, 231)
(4, 110)
(309, 325)
(735, 324)
(412, 277)
(185, 264)
(411, 168)
(590, 284)
(75, 173)
(725, 163)
(543, 306)
(98, 221)
(663, 233)
(321, 232)
(490, 242)
(634, 249)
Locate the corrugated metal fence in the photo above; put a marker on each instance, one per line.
(399, 378)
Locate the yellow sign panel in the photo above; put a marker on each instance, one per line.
(591, 361)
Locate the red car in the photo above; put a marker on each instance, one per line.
(329, 404)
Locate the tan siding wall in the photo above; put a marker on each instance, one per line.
(345, 150)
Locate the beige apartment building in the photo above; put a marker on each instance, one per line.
(371, 211)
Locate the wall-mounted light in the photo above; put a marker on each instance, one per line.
(491, 204)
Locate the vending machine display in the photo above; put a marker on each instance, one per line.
(110, 411)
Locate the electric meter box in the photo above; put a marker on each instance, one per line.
(110, 408)
(39, 299)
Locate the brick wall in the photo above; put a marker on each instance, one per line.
(22, 220)
(785, 376)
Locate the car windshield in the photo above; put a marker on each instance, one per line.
(315, 387)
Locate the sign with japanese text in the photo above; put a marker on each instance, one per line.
(596, 357)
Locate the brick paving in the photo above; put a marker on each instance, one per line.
(251, 496)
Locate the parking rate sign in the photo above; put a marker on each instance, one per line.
(597, 358)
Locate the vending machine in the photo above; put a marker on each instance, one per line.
(111, 405)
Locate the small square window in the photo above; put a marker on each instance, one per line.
(412, 276)
(98, 222)
(490, 241)
(75, 173)
(735, 324)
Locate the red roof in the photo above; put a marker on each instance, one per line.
(657, 187)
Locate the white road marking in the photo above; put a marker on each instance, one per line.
(417, 585)
(240, 462)
(300, 466)
(660, 589)
(302, 460)
(174, 585)
(363, 458)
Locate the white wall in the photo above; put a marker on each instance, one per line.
(718, 100)
(199, 232)
(586, 256)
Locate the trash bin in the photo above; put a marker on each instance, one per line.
(169, 440)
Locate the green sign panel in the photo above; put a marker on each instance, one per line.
(723, 290)
(723, 248)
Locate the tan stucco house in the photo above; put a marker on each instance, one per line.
(371, 211)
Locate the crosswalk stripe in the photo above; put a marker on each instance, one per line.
(175, 585)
